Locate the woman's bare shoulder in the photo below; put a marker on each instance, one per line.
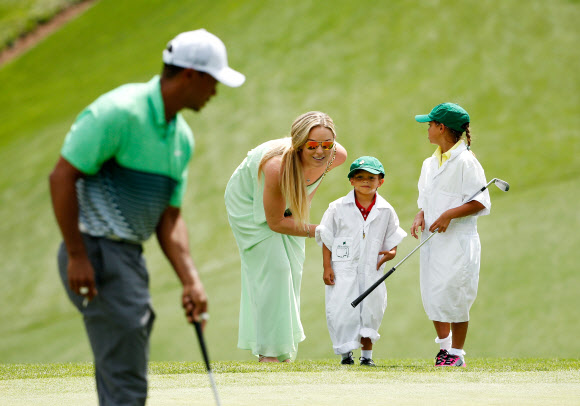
(271, 167)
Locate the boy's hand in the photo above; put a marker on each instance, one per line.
(328, 276)
(387, 256)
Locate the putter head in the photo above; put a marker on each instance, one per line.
(501, 184)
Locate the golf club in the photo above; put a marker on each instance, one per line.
(198, 330)
(501, 184)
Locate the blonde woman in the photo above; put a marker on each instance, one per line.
(268, 200)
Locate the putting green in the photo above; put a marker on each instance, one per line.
(378, 387)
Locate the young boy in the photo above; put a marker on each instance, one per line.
(358, 234)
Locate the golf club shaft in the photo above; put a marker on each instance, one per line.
(199, 332)
(480, 190)
(214, 387)
(386, 275)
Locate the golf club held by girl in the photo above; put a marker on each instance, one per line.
(501, 184)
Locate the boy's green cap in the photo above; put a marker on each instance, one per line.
(450, 114)
(367, 163)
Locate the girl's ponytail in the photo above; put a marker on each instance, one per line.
(467, 134)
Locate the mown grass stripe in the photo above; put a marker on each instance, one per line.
(390, 366)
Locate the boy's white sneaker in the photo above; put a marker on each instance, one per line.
(367, 362)
(348, 360)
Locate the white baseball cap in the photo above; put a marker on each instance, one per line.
(204, 52)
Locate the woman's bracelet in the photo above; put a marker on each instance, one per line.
(308, 231)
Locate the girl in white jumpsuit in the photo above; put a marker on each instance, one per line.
(358, 233)
(450, 261)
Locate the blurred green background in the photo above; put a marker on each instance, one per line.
(372, 66)
(20, 17)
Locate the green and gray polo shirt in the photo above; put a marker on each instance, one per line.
(134, 161)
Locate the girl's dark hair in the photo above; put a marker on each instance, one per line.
(458, 134)
(467, 134)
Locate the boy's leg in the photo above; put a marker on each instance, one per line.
(367, 344)
(367, 352)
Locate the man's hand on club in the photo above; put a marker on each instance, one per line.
(194, 302)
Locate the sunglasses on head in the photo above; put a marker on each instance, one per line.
(326, 145)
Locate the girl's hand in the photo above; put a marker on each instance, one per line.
(467, 209)
(418, 222)
(441, 223)
(328, 276)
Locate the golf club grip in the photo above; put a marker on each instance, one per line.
(199, 332)
(373, 287)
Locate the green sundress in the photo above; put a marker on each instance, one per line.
(272, 263)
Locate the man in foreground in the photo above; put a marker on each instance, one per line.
(121, 176)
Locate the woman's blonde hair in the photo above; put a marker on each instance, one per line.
(292, 180)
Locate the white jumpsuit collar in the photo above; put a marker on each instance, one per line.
(454, 154)
(380, 203)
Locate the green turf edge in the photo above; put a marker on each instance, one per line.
(493, 365)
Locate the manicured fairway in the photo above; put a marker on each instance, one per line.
(401, 382)
(372, 66)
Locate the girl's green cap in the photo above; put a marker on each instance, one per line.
(452, 115)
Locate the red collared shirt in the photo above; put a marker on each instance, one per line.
(363, 211)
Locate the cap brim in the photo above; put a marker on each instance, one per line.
(370, 170)
(230, 77)
(423, 118)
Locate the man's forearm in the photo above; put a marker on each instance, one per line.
(174, 241)
(62, 182)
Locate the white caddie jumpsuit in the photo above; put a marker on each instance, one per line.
(355, 245)
(450, 260)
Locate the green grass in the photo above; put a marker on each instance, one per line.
(395, 366)
(21, 17)
(372, 67)
(497, 381)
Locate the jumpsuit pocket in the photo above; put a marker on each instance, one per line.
(444, 201)
(342, 249)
